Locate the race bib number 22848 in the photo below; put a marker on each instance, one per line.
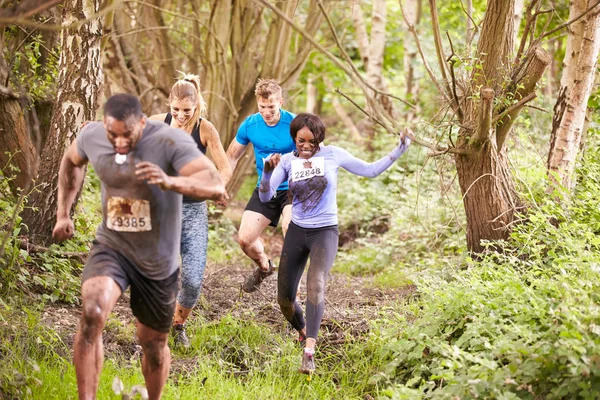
(128, 215)
(305, 169)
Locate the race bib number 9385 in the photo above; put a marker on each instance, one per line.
(128, 215)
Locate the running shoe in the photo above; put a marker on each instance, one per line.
(254, 280)
(308, 362)
(180, 338)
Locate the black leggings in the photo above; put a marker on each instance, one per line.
(321, 245)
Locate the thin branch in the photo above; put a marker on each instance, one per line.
(537, 108)
(55, 27)
(34, 248)
(535, 42)
(384, 125)
(412, 30)
(165, 11)
(459, 111)
(437, 39)
(349, 60)
(475, 26)
(38, 8)
(528, 23)
(436, 150)
(515, 106)
(563, 26)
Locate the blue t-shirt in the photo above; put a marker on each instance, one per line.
(267, 139)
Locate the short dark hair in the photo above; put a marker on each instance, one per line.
(121, 106)
(312, 122)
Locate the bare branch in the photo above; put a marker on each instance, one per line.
(412, 30)
(537, 108)
(528, 24)
(344, 53)
(26, 9)
(459, 112)
(436, 149)
(566, 24)
(55, 27)
(474, 27)
(437, 39)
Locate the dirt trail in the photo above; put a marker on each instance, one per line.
(351, 302)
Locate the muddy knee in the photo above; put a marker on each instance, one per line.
(286, 304)
(93, 318)
(245, 242)
(155, 352)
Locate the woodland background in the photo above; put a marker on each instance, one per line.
(471, 267)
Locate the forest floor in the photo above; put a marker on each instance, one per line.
(351, 303)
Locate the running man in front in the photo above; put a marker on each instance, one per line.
(269, 132)
(187, 111)
(144, 167)
(313, 232)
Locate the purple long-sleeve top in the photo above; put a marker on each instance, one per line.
(313, 182)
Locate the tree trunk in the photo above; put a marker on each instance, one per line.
(79, 82)
(311, 95)
(487, 187)
(583, 47)
(517, 17)
(230, 44)
(24, 120)
(488, 193)
(21, 151)
(371, 48)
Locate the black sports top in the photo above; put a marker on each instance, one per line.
(195, 132)
(201, 147)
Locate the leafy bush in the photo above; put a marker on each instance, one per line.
(524, 323)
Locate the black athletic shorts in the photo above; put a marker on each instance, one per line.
(271, 209)
(152, 301)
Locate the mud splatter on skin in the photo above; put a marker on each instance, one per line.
(309, 192)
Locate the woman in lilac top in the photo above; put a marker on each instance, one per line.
(313, 233)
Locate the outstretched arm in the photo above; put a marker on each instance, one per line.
(70, 178)
(370, 170)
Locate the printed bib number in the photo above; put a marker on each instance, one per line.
(305, 169)
(128, 215)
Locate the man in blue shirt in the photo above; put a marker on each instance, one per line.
(269, 132)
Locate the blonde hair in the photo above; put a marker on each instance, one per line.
(265, 88)
(188, 88)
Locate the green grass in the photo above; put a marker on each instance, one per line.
(230, 358)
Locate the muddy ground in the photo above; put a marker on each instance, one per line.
(351, 302)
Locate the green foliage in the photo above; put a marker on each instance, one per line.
(523, 323)
(51, 275)
(31, 71)
(25, 343)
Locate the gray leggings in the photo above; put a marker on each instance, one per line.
(194, 244)
(320, 244)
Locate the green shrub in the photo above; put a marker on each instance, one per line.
(523, 323)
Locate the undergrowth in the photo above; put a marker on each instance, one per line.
(521, 323)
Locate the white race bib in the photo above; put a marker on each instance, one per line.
(305, 169)
(128, 215)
